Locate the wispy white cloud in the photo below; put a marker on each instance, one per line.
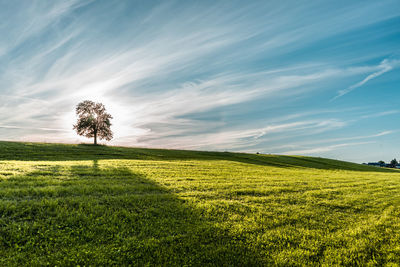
(32, 128)
(306, 145)
(384, 133)
(385, 66)
(235, 139)
(19, 25)
(380, 114)
(318, 150)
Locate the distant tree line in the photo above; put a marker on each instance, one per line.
(392, 164)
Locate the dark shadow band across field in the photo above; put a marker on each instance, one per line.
(63, 152)
(73, 215)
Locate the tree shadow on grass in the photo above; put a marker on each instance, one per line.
(110, 216)
(61, 152)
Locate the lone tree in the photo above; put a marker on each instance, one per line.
(393, 163)
(93, 121)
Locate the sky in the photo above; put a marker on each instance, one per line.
(316, 78)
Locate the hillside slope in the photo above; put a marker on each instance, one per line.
(41, 151)
(87, 205)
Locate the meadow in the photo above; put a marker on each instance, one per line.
(99, 205)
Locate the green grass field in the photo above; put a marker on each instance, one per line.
(88, 205)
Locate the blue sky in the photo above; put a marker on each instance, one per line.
(316, 78)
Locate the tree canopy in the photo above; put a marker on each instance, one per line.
(93, 121)
(393, 163)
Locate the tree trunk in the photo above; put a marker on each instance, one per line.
(95, 138)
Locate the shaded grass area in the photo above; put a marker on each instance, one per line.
(82, 214)
(178, 208)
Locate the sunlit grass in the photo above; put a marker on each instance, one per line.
(87, 205)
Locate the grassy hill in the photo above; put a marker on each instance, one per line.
(87, 205)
